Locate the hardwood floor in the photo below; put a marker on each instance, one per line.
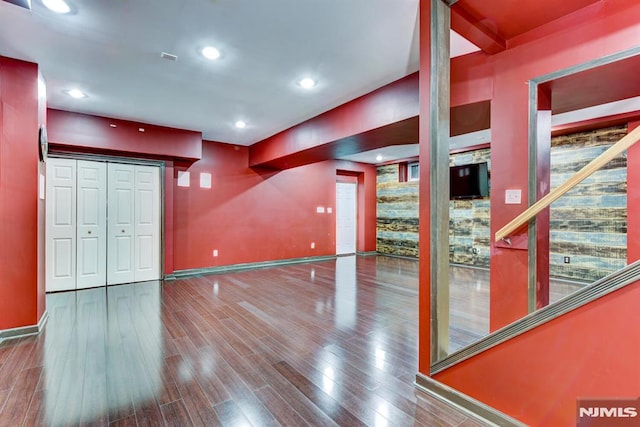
(469, 303)
(320, 344)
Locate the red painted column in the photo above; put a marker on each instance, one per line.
(424, 231)
(20, 266)
(509, 170)
(168, 216)
(633, 199)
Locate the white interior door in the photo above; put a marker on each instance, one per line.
(346, 217)
(120, 227)
(147, 223)
(60, 226)
(91, 224)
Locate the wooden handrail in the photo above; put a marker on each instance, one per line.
(593, 166)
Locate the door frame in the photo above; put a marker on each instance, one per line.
(127, 161)
(348, 179)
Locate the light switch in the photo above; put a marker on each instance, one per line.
(513, 197)
(320, 209)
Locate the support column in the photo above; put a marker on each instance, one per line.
(21, 296)
(434, 177)
(539, 186)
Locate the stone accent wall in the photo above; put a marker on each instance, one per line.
(469, 232)
(588, 224)
(397, 210)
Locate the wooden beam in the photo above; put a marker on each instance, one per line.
(593, 166)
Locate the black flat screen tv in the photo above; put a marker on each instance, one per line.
(469, 181)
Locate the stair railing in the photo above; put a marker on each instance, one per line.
(593, 166)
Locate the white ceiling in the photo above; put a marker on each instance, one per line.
(111, 50)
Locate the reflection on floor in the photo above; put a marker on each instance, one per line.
(320, 344)
(469, 303)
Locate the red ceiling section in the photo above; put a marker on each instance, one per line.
(508, 19)
(75, 131)
(388, 105)
(398, 133)
(474, 30)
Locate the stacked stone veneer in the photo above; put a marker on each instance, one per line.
(588, 224)
(397, 211)
(469, 224)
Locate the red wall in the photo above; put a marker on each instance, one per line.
(20, 266)
(249, 215)
(538, 376)
(260, 215)
(85, 133)
(581, 37)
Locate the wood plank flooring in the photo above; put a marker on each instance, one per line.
(318, 344)
(322, 343)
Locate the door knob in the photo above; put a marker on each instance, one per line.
(89, 232)
(123, 231)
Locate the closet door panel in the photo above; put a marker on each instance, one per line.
(60, 225)
(92, 224)
(120, 225)
(147, 223)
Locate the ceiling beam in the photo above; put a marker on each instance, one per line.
(475, 31)
(347, 129)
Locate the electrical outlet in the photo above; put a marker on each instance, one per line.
(567, 260)
(313, 245)
(215, 252)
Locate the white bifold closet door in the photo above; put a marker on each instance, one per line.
(103, 224)
(134, 223)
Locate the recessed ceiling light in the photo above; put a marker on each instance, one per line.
(379, 158)
(57, 6)
(240, 124)
(210, 52)
(76, 93)
(307, 83)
